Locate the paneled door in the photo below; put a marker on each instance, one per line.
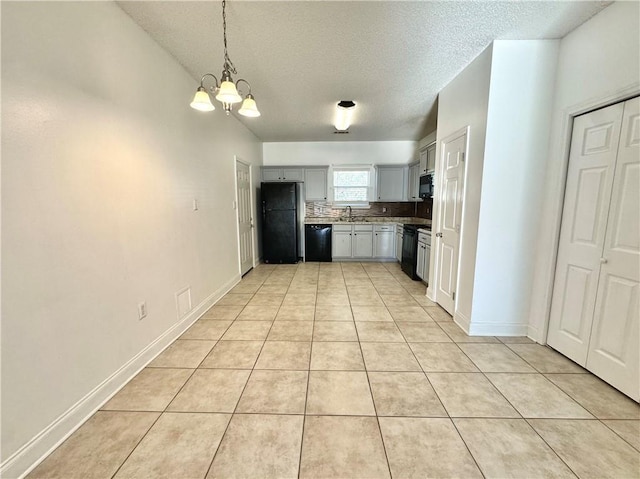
(594, 314)
(592, 158)
(245, 221)
(448, 235)
(614, 345)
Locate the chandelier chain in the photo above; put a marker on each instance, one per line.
(228, 64)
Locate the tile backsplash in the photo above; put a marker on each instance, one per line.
(322, 209)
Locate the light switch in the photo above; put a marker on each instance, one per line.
(195, 205)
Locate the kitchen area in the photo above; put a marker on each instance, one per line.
(370, 213)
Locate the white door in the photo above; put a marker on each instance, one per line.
(245, 222)
(615, 336)
(448, 235)
(592, 158)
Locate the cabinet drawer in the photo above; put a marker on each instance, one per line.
(363, 227)
(346, 228)
(384, 228)
(424, 237)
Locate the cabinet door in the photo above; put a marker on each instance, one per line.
(423, 161)
(431, 157)
(363, 244)
(315, 184)
(427, 260)
(384, 246)
(399, 246)
(292, 174)
(420, 261)
(271, 174)
(414, 182)
(341, 244)
(392, 181)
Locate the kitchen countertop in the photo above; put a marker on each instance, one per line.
(367, 220)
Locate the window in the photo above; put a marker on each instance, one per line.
(351, 185)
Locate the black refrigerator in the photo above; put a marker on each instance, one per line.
(279, 222)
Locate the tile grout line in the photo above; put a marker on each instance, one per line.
(240, 396)
(306, 396)
(517, 411)
(373, 401)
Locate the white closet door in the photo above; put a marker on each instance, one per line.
(615, 338)
(594, 146)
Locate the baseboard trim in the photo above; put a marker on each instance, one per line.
(40, 446)
(498, 329)
(463, 321)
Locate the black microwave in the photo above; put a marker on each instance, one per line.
(426, 186)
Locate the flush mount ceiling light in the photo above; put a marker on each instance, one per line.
(226, 92)
(344, 114)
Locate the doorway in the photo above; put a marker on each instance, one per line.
(245, 219)
(595, 317)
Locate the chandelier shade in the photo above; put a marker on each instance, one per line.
(202, 101)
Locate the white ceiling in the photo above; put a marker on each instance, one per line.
(390, 57)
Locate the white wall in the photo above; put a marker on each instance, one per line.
(464, 102)
(520, 102)
(339, 153)
(599, 64)
(102, 157)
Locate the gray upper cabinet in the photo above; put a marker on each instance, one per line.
(428, 158)
(282, 174)
(315, 184)
(392, 183)
(431, 157)
(414, 182)
(423, 161)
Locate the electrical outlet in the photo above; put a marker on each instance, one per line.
(142, 310)
(384, 209)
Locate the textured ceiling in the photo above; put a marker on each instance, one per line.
(390, 57)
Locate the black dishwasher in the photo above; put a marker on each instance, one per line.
(317, 243)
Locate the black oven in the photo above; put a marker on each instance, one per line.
(426, 186)
(410, 250)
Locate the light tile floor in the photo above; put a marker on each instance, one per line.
(341, 370)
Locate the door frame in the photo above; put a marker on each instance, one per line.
(236, 160)
(438, 198)
(544, 276)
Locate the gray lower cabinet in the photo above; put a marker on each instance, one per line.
(363, 241)
(384, 241)
(341, 241)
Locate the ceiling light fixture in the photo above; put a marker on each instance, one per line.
(227, 91)
(344, 115)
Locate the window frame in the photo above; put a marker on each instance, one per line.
(369, 187)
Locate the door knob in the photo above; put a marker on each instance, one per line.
(438, 235)
(604, 260)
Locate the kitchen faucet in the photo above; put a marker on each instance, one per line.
(350, 213)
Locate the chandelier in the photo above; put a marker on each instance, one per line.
(226, 92)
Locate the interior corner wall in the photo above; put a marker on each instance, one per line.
(101, 161)
(464, 102)
(312, 153)
(520, 102)
(599, 64)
